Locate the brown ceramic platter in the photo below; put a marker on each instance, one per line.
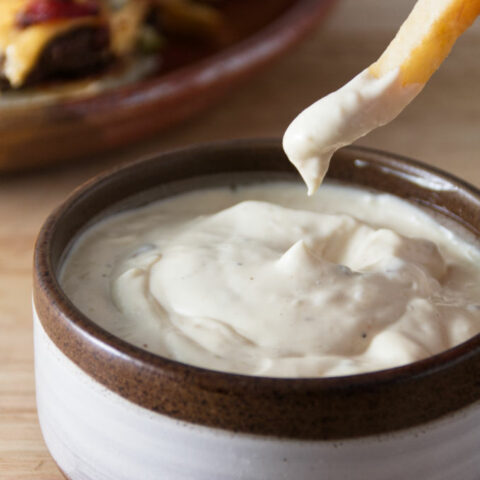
(325, 408)
(188, 79)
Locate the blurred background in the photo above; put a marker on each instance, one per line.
(441, 127)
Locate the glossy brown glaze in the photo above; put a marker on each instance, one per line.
(63, 130)
(327, 408)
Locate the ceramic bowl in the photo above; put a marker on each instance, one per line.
(109, 410)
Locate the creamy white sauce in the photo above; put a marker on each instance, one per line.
(264, 281)
(360, 106)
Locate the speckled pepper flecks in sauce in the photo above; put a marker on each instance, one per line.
(262, 280)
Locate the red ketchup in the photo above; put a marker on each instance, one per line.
(40, 11)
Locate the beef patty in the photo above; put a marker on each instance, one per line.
(76, 53)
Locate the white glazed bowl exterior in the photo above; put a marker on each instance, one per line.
(94, 434)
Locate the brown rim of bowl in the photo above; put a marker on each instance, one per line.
(306, 408)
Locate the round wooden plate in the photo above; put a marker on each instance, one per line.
(34, 133)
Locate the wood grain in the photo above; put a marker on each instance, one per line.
(441, 127)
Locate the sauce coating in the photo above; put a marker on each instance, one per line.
(340, 118)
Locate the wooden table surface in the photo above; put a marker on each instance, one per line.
(441, 128)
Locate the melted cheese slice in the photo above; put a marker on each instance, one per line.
(20, 49)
